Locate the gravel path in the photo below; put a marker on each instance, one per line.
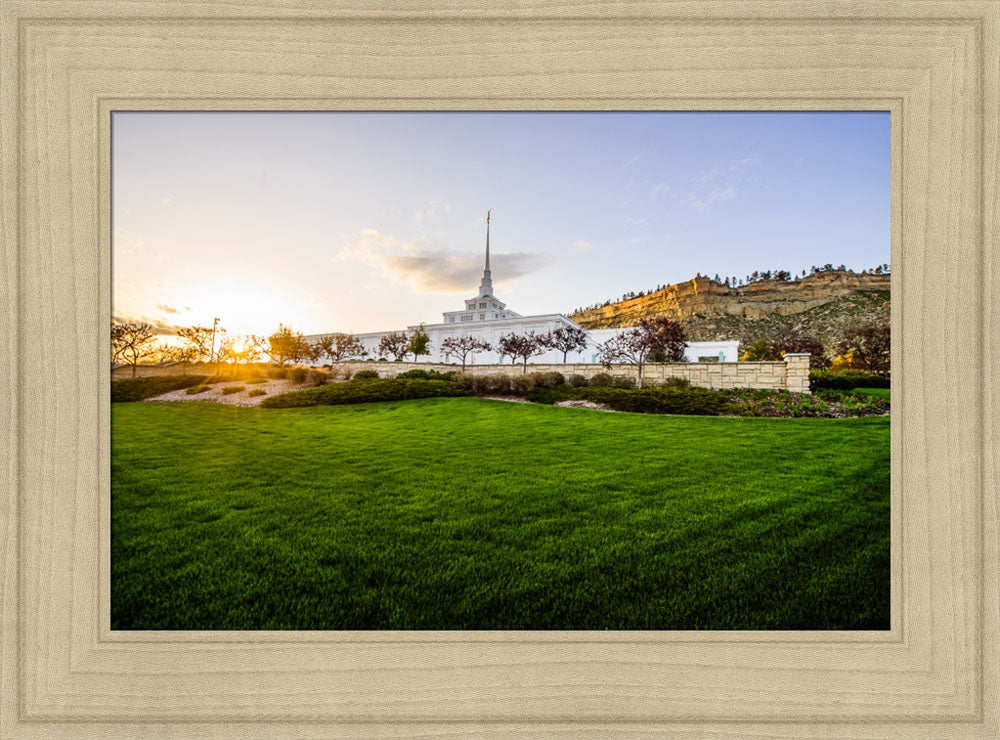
(584, 405)
(214, 393)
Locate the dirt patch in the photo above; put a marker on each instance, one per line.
(214, 393)
(509, 399)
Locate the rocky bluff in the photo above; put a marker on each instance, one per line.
(702, 297)
(822, 305)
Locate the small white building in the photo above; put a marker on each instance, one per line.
(487, 317)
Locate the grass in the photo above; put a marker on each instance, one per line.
(873, 392)
(465, 513)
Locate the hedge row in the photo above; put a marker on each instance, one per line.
(418, 374)
(136, 389)
(364, 391)
(845, 380)
(688, 401)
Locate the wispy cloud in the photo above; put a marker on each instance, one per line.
(706, 175)
(702, 202)
(628, 164)
(431, 269)
(166, 200)
(753, 160)
(167, 309)
(429, 210)
(580, 245)
(160, 327)
(709, 188)
(662, 188)
(126, 242)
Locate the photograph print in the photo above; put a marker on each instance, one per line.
(500, 371)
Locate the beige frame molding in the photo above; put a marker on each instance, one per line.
(66, 64)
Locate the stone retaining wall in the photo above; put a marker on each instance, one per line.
(792, 373)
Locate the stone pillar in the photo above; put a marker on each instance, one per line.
(797, 372)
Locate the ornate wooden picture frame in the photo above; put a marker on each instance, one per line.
(66, 65)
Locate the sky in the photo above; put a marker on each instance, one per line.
(376, 221)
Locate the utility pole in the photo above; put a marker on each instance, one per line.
(212, 354)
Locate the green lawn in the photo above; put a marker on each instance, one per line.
(876, 392)
(464, 513)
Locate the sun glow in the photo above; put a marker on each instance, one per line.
(243, 309)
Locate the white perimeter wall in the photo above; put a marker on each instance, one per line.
(491, 331)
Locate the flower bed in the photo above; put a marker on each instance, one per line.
(830, 404)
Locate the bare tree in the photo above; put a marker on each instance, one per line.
(396, 344)
(522, 346)
(132, 341)
(198, 341)
(661, 336)
(460, 347)
(870, 347)
(567, 339)
(341, 346)
(245, 349)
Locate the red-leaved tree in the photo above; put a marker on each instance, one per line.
(522, 346)
(567, 339)
(461, 347)
(660, 336)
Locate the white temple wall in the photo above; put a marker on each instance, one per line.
(491, 332)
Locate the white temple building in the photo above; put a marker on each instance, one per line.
(488, 318)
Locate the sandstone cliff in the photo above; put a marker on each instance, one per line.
(822, 305)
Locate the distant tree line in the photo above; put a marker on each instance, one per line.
(740, 282)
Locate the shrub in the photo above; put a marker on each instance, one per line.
(257, 381)
(675, 383)
(277, 373)
(549, 379)
(465, 381)
(622, 381)
(419, 374)
(601, 380)
(256, 392)
(743, 409)
(688, 401)
(577, 381)
(136, 389)
(367, 391)
(845, 380)
(366, 375)
(491, 383)
(317, 377)
(230, 389)
(297, 374)
(195, 389)
(522, 384)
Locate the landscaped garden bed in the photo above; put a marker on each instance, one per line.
(551, 389)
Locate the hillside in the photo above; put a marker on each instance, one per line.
(821, 305)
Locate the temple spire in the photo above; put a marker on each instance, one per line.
(486, 285)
